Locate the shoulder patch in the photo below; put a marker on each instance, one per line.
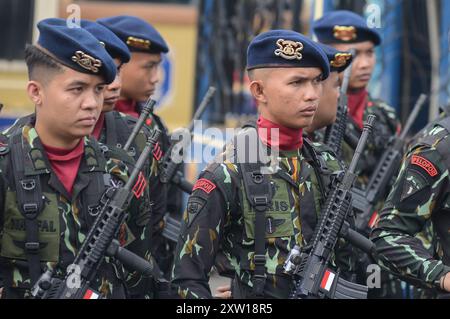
(204, 185)
(194, 206)
(157, 152)
(425, 164)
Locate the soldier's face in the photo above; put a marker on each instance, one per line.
(326, 112)
(363, 63)
(69, 104)
(112, 91)
(290, 96)
(140, 76)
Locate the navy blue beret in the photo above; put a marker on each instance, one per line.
(75, 48)
(339, 60)
(285, 48)
(138, 34)
(344, 27)
(115, 47)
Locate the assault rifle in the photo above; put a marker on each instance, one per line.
(310, 265)
(364, 201)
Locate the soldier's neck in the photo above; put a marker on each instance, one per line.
(55, 140)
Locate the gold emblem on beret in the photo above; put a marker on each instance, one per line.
(289, 50)
(86, 61)
(344, 33)
(340, 59)
(138, 43)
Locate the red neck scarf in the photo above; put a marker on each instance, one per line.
(98, 127)
(289, 139)
(128, 107)
(357, 101)
(65, 163)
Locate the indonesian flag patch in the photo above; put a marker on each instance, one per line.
(90, 294)
(327, 280)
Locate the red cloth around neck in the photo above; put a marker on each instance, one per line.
(289, 139)
(65, 163)
(357, 101)
(128, 107)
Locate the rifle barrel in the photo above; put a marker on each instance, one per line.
(412, 117)
(202, 107)
(146, 110)
(362, 142)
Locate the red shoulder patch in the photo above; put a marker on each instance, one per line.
(425, 164)
(139, 187)
(157, 152)
(148, 122)
(205, 185)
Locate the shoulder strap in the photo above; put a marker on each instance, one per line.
(30, 203)
(259, 193)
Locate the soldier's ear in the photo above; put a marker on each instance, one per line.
(258, 91)
(34, 91)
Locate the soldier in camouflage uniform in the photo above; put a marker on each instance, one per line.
(139, 80)
(286, 70)
(419, 196)
(113, 128)
(345, 30)
(52, 177)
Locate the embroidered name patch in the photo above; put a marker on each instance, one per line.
(425, 164)
(204, 185)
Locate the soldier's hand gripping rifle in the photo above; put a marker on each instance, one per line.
(378, 186)
(310, 266)
(99, 242)
(335, 132)
(174, 156)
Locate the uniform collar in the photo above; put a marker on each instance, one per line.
(37, 163)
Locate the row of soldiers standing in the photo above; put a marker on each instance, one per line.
(88, 85)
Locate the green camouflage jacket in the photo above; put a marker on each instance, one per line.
(385, 127)
(117, 128)
(218, 216)
(419, 196)
(65, 221)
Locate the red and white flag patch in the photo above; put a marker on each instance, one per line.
(90, 294)
(374, 220)
(205, 185)
(327, 280)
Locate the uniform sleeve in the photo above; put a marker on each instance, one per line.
(410, 205)
(198, 243)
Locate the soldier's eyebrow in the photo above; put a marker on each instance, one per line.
(78, 83)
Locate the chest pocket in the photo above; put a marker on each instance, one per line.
(14, 234)
(278, 216)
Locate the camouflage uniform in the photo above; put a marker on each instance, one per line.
(385, 127)
(419, 196)
(64, 220)
(219, 216)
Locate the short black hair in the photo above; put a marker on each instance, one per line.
(38, 60)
